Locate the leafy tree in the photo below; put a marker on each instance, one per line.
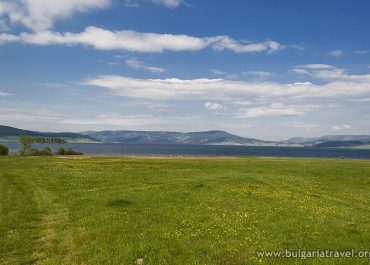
(26, 142)
(4, 150)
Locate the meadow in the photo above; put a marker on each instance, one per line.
(116, 210)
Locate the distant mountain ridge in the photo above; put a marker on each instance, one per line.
(162, 137)
(10, 133)
(330, 140)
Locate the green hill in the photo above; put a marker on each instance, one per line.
(10, 134)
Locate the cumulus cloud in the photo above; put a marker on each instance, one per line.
(213, 106)
(129, 40)
(335, 53)
(40, 15)
(139, 65)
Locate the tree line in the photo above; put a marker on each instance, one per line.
(27, 149)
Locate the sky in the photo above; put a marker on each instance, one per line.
(257, 68)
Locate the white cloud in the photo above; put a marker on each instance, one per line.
(4, 94)
(168, 3)
(225, 74)
(40, 15)
(361, 52)
(276, 109)
(302, 125)
(341, 127)
(259, 74)
(350, 87)
(242, 103)
(137, 122)
(302, 84)
(297, 47)
(161, 107)
(363, 100)
(213, 106)
(221, 43)
(330, 73)
(316, 66)
(218, 72)
(112, 119)
(128, 40)
(139, 65)
(8, 38)
(110, 63)
(336, 53)
(165, 3)
(132, 3)
(27, 116)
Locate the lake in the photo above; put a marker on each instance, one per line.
(205, 150)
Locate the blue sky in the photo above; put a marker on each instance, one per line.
(265, 69)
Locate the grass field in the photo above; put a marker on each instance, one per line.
(180, 210)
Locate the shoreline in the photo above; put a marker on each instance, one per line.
(174, 157)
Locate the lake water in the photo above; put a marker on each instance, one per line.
(205, 150)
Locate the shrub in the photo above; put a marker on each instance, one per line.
(61, 151)
(31, 152)
(70, 151)
(46, 151)
(4, 150)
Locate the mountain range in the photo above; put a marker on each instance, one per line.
(158, 137)
(10, 134)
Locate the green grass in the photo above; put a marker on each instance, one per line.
(180, 210)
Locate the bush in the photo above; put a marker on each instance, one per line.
(61, 151)
(46, 151)
(70, 151)
(4, 150)
(31, 152)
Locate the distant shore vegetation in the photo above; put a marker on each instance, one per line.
(27, 149)
(4, 150)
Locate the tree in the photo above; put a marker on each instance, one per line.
(26, 142)
(4, 150)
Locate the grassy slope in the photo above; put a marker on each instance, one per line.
(180, 211)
